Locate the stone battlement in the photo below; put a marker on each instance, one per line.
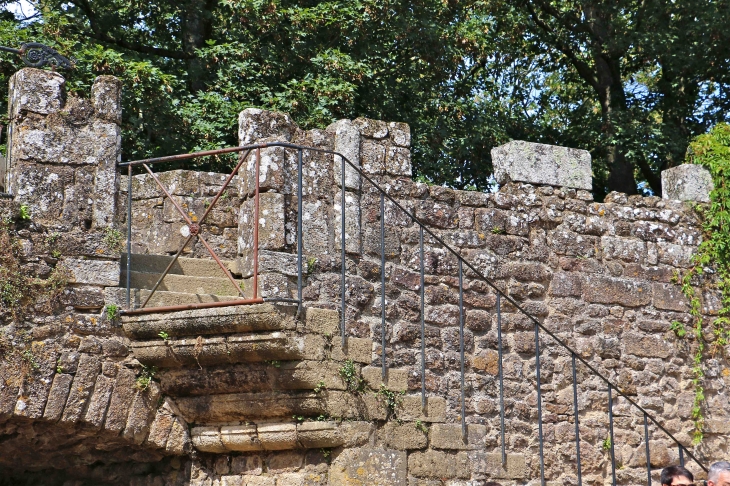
(262, 395)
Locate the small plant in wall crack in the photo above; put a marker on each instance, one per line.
(165, 336)
(145, 377)
(391, 399)
(24, 212)
(112, 311)
(349, 373)
(421, 426)
(113, 239)
(320, 387)
(606, 444)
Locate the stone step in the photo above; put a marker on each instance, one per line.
(225, 408)
(232, 348)
(271, 436)
(185, 283)
(194, 267)
(251, 378)
(218, 320)
(164, 298)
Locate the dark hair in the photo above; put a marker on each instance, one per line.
(671, 472)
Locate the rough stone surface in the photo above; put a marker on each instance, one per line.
(537, 163)
(687, 182)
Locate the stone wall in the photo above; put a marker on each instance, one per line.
(601, 276)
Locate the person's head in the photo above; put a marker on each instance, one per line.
(677, 476)
(719, 474)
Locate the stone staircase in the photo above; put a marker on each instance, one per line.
(249, 377)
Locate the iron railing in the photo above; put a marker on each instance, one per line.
(538, 327)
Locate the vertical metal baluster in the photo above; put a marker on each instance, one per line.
(539, 404)
(681, 455)
(423, 322)
(461, 351)
(610, 435)
(648, 454)
(342, 244)
(129, 235)
(299, 233)
(575, 416)
(382, 280)
(501, 377)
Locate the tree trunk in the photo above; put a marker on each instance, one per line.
(196, 29)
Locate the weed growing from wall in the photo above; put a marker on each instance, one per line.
(712, 151)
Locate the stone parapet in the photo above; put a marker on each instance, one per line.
(687, 182)
(537, 163)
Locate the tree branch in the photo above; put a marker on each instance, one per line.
(584, 70)
(98, 34)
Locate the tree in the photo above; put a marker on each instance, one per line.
(632, 81)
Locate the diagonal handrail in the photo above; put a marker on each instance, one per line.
(538, 326)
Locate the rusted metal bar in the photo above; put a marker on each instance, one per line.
(172, 200)
(182, 307)
(256, 227)
(164, 274)
(220, 264)
(224, 187)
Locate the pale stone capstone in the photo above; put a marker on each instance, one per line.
(687, 182)
(537, 163)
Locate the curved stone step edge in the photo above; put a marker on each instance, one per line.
(215, 320)
(199, 267)
(279, 406)
(234, 348)
(267, 437)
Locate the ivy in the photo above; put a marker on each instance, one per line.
(712, 151)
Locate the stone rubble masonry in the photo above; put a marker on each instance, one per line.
(256, 396)
(687, 182)
(537, 163)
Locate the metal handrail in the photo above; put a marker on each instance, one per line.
(538, 326)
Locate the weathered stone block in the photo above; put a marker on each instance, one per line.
(241, 438)
(609, 290)
(122, 397)
(277, 437)
(395, 379)
(669, 297)
(400, 134)
(141, 413)
(347, 142)
(370, 466)
(207, 439)
(57, 397)
(403, 436)
(537, 163)
(398, 161)
(37, 91)
(353, 230)
(359, 350)
(96, 411)
(95, 272)
(106, 97)
(687, 182)
(449, 436)
(489, 466)
(437, 464)
(313, 435)
(322, 321)
(646, 346)
(255, 124)
(271, 228)
(565, 284)
(83, 384)
(626, 249)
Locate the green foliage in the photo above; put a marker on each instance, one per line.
(145, 377)
(311, 265)
(113, 239)
(30, 358)
(391, 399)
(421, 426)
(275, 363)
(112, 311)
(606, 444)
(24, 212)
(712, 151)
(165, 336)
(349, 373)
(320, 387)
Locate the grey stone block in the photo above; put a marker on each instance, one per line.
(36, 91)
(687, 182)
(537, 163)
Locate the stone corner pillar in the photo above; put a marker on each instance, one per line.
(62, 152)
(687, 182)
(538, 163)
